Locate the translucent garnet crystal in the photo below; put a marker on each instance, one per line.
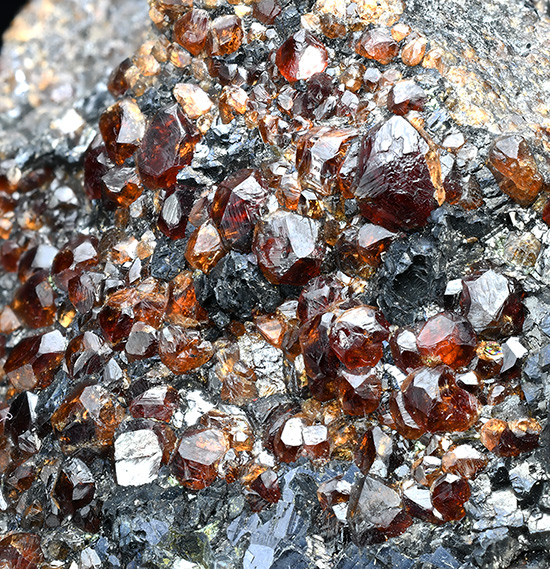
(263, 491)
(122, 126)
(377, 44)
(21, 551)
(493, 304)
(197, 457)
(167, 146)
(356, 336)
(447, 338)
(191, 30)
(301, 56)
(435, 401)
(174, 214)
(510, 439)
(359, 390)
(225, 36)
(449, 494)
(393, 184)
(236, 207)
(288, 247)
(182, 350)
(375, 512)
(88, 417)
(515, 169)
(75, 486)
(34, 301)
(33, 361)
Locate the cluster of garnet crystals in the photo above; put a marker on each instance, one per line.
(96, 307)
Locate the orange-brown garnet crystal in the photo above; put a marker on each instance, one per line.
(122, 126)
(393, 184)
(175, 211)
(88, 417)
(33, 361)
(449, 494)
(34, 301)
(435, 401)
(515, 169)
(226, 35)
(288, 248)
(377, 44)
(447, 338)
(197, 457)
(301, 56)
(356, 336)
(510, 439)
(235, 208)
(21, 551)
(191, 30)
(182, 350)
(167, 146)
(463, 460)
(205, 247)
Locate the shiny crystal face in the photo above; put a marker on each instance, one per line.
(279, 297)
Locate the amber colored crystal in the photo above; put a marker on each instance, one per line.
(320, 361)
(21, 551)
(183, 308)
(301, 56)
(96, 165)
(225, 36)
(183, 350)
(273, 329)
(75, 486)
(235, 427)
(191, 30)
(449, 494)
(320, 295)
(356, 336)
(10, 253)
(427, 469)
(205, 247)
(492, 303)
(266, 11)
(88, 417)
(512, 438)
(365, 453)
(418, 503)
(83, 291)
(236, 207)
(80, 253)
(197, 456)
(404, 350)
(377, 44)
(288, 441)
(263, 490)
(406, 96)
(319, 155)
(489, 359)
(393, 184)
(333, 494)
(436, 403)
(413, 51)
(359, 248)
(116, 318)
(239, 385)
(463, 460)
(32, 363)
(122, 126)
(359, 390)
(142, 342)
(173, 216)
(515, 169)
(447, 338)
(155, 403)
(8, 321)
(118, 82)
(192, 99)
(405, 424)
(35, 259)
(375, 512)
(288, 248)
(34, 301)
(85, 355)
(167, 146)
(232, 101)
(121, 186)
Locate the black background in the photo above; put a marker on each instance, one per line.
(7, 12)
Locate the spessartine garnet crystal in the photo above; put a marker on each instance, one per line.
(286, 294)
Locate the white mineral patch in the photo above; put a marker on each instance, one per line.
(137, 457)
